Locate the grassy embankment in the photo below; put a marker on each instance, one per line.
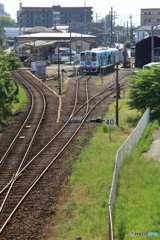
(22, 100)
(83, 209)
(137, 203)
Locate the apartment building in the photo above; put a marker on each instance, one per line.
(52, 16)
(150, 16)
(2, 12)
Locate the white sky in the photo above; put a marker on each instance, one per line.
(123, 9)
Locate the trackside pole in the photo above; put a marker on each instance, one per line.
(109, 130)
(110, 122)
(117, 89)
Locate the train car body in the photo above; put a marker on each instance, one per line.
(92, 60)
(22, 52)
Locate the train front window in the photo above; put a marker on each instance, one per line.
(88, 56)
(83, 57)
(94, 57)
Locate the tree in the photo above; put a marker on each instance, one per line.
(8, 62)
(8, 89)
(6, 21)
(145, 90)
(106, 20)
(7, 93)
(127, 44)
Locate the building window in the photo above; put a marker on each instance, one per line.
(147, 13)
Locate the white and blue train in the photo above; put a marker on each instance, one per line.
(93, 60)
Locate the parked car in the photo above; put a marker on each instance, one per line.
(151, 64)
(54, 58)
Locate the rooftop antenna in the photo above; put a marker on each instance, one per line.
(84, 3)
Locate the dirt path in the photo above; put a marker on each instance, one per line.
(154, 151)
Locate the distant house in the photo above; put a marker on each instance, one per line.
(145, 31)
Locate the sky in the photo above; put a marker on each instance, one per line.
(124, 10)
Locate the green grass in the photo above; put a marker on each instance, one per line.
(147, 138)
(81, 139)
(86, 208)
(22, 100)
(137, 202)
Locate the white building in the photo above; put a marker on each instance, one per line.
(141, 33)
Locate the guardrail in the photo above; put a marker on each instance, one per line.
(125, 148)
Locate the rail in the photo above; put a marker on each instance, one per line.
(43, 166)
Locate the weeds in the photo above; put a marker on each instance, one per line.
(146, 139)
(81, 139)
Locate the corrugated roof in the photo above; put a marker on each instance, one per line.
(56, 35)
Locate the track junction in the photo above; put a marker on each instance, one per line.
(33, 162)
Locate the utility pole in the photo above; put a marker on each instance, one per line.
(117, 96)
(127, 30)
(111, 35)
(59, 77)
(152, 44)
(70, 49)
(85, 19)
(20, 17)
(96, 17)
(111, 25)
(131, 32)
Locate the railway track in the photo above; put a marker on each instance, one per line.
(33, 173)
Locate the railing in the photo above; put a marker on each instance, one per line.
(125, 148)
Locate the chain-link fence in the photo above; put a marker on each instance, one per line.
(124, 149)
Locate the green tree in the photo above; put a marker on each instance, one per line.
(8, 93)
(145, 90)
(8, 89)
(106, 20)
(127, 44)
(7, 21)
